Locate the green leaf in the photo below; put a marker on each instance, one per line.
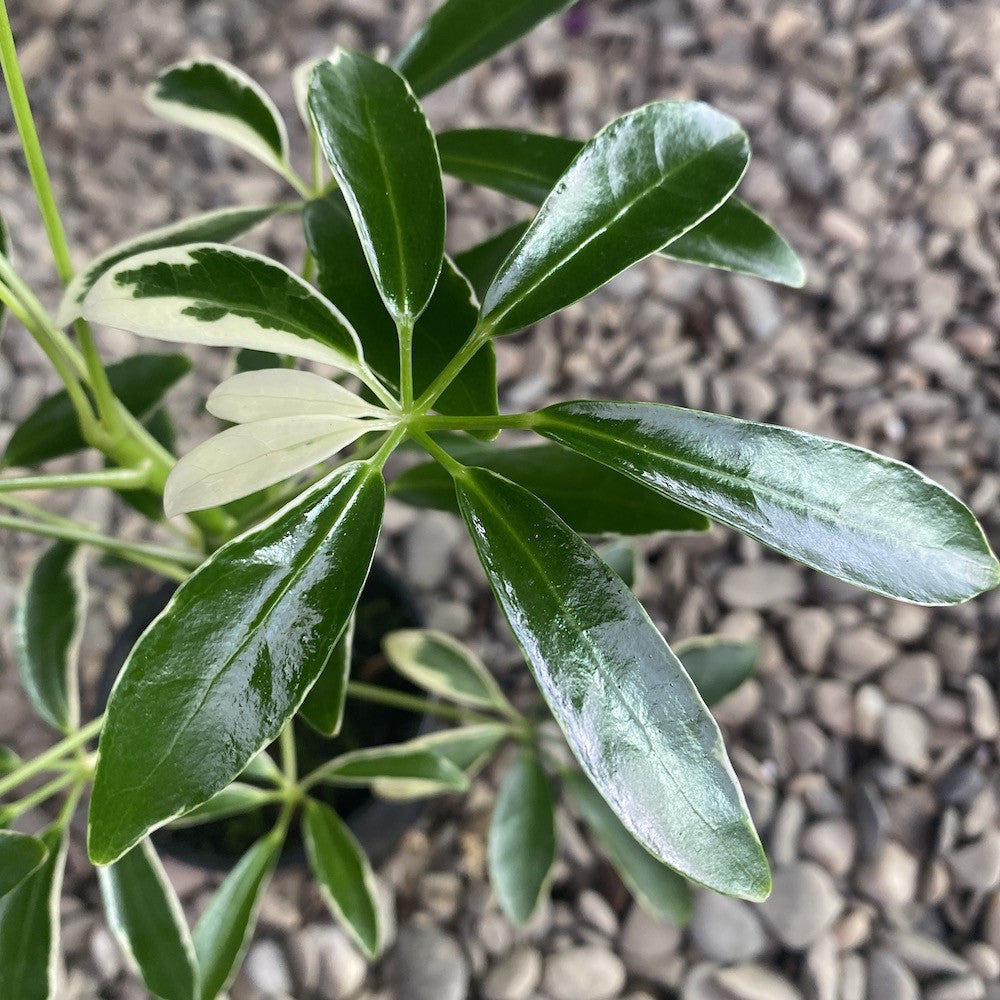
(382, 153)
(233, 800)
(218, 226)
(481, 262)
(48, 626)
(219, 296)
(527, 165)
(717, 665)
(846, 511)
(224, 929)
(51, 430)
(146, 918)
(20, 855)
(521, 847)
(215, 678)
(344, 278)
(467, 747)
(9, 761)
(630, 713)
(248, 360)
(323, 708)
(657, 888)
(29, 930)
(425, 772)
(444, 666)
(580, 491)
(263, 769)
(644, 180)
(462, 33)
(215, 97)
(344, 875)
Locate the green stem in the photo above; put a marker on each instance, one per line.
(16, 809)
(412, 703)
(43, 761)
(406, 363)
(521, 421)
(289, 764)
(388, 446)
(452, 465)
(114, 479)
(84, 536)
(69, 806)
(479, 336)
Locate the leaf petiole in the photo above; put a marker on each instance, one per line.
(54, 754)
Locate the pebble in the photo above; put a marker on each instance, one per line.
(969, 987)
(925, 955)
(861, 652)
(754, 982)
(589, 972)
(726, 930)
(595, 910)
(761, 585)
(914, 679)
(802, 906)
(890, 877)
(647, 942)
(890, 979)
(809, 633)
(759, 307)
(984, 716)
(429, 545)
(831, 843)
(429, 964)
(266, 970)
(905, 737)
(342, 968)
(515, 976)
(977, 865)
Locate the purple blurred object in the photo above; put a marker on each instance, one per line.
(576, 20)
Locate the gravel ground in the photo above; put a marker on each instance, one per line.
(868, 744)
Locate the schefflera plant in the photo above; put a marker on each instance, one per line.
(258, 632)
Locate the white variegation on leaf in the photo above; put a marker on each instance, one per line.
(285, 392)
(222, 296)
(253, 456)
(301, 77)
(214, 96)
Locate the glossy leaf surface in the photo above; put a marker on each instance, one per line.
(224, 929)
(644, 180)
(621, 555)
(324, 706)
(344, 875)
(397, 762)
(869, 520)
(146, 918)
(480, 262)
(444, 666)
(29, 928)
(579, 490)
(382, 153)
(521, 846)
(206, 293)
(462, 33)
(527, 165)
(219, 226)
(215, 677)
(51, 430)
(20, 855)
(215, 97)
(629, 711)
(232, 800)
(344, 278)
(717, 665)
(658, 888)
(48, 626)
(465, 746)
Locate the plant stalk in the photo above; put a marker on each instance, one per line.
(43, 761)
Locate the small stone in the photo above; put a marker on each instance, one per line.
(862, 651)
(428, 548)
(977, 865)
(831, 843)
(342, 968)
(514, 977)
(848, 370)
(984, 716)
(754, 982)
(952, 207)
(968, 987)
(889, 979)
(834, 707)
(105, 954)
(429, 964)
(809, 633)
(758, 306)
(821, 972)
(914, 679)
(725, 929)
(647, 942)
(595, 910)
(984, 960)
(925, 955)
(808, 743)
(266, 969)
(869, 713)
(905, 737)
(890, 878)
(810, 108)
(761, 585)
(585, 973)
(439, 893)
(803, 904)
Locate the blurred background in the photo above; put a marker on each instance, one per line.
(868, 744)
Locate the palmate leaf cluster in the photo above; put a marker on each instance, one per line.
(260, 632)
